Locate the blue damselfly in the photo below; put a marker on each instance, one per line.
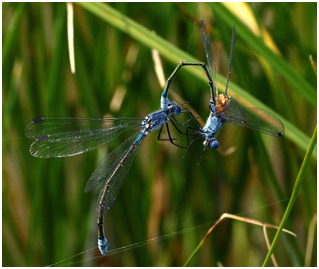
(225, 109)
(67, 136)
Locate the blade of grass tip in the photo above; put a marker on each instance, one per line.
(277, 62)
(71, 36)
(174, 55)
(294, 194)
(158, 67)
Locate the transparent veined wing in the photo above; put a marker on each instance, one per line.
(254, 118)
(67, 136)
(113, 169)
(210, 56)
(231, 54)
(109, 163)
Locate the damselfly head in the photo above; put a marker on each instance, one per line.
(208, 143)
(177, 110)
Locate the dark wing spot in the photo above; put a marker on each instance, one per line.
(42, 137)
(36, 120)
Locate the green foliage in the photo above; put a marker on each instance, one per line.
(294, 194)
(47, 217)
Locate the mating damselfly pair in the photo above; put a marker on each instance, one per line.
(67, 136)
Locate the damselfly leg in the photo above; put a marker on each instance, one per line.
(180, 65)
(225, 109)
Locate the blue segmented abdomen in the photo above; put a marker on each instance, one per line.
(139, 139)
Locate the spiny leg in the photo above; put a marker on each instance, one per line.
(188, 134)
(159, 135)
(172, 121)
(188, 127)
(201, 157)
(191, 118)
(183, 124)
(196, 139)
(170, 138)
(163, 139)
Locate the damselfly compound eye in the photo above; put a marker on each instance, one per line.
(177, 110)
(214, 144)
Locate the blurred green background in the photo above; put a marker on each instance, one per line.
(47, 217)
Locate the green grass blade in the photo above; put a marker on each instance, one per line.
(175, 55)
(276, 61)
(12, 33)
(190, 258)
(294, 194)
(251, 175)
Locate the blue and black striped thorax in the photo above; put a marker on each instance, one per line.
(158, 118)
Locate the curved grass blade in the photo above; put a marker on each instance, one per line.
(174, 55)
(294, 194)
(277, 62)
